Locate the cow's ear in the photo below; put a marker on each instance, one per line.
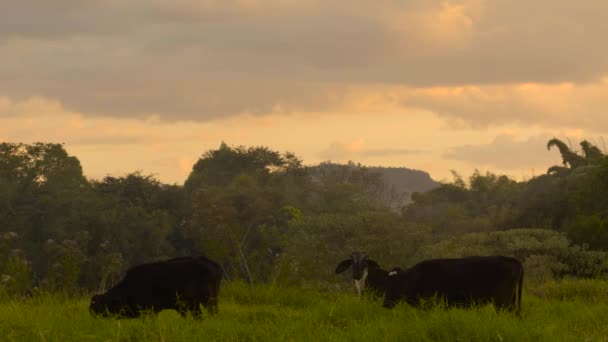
(372, 263)
(344, 265)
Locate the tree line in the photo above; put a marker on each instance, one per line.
(266, 217)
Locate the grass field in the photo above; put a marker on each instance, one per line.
(564, 311)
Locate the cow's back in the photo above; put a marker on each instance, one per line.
(465, 280)
(159, 283)
(468, 273)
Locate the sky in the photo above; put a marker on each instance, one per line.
(150, 85)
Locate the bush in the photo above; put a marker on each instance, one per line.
(588, 290)
(546, 254)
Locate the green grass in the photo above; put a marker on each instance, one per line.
(564, 311)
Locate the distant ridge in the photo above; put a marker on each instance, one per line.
(393, 185)
(405, 181)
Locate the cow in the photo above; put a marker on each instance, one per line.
(368, 275)
(459, 282)
(182, 284)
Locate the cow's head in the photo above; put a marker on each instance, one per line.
(106, 305)
(360, 263)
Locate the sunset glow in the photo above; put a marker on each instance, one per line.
(430, 85)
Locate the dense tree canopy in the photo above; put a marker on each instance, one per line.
(265, 217)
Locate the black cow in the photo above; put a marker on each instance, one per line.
(182, 284)
(459, 282)
(367, 273)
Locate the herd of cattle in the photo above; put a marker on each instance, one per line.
(185, 284)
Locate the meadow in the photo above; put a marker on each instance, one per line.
(575, 310)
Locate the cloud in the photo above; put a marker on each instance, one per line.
(550, 105)
(506, 152)
(98, 140)
(339, 151)
(398, 138)
(203, 60)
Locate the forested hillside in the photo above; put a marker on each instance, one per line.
(267, 218)
(405, 181)
(392, 186)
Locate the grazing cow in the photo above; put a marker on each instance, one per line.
(367, 273)
(459, 282)
(182, 284)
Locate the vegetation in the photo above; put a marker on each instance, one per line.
(278, 228)
(267, 218)
(248, 208)
(567, 311)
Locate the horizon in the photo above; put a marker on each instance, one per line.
(452, 172)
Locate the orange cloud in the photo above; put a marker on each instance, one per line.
(168, 150)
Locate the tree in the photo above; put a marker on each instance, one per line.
(485, 203)
(347, 188)
(545, 253)
(317, 243)
(133, 216)
(219, 167)
(235, 198)
(591, 153)
(571, 159)
(41, 185)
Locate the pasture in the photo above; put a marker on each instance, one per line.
(575, 310)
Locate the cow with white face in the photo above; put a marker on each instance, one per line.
(368, 275)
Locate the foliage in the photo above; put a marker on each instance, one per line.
(484, 205)
(15, 279)
(572, 200)
(318, 243)
(267, 218)
(351, 186)
(39, 185)
(15, 268)
(546, 254)
(65, 260)
(585, 290)
(589, 154)
(239, 204)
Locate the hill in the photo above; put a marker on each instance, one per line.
(391, 185)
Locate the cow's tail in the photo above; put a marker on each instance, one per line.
(214, 288)
(519, 290)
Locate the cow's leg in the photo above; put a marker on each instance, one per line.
(189, 305)
(211, 305)
(212, 298)
(195, 310)
(501, 305)
(504, 301)
(191, 308)
(181, 304)
(182, 309)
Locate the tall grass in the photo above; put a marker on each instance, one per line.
(266, 313)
